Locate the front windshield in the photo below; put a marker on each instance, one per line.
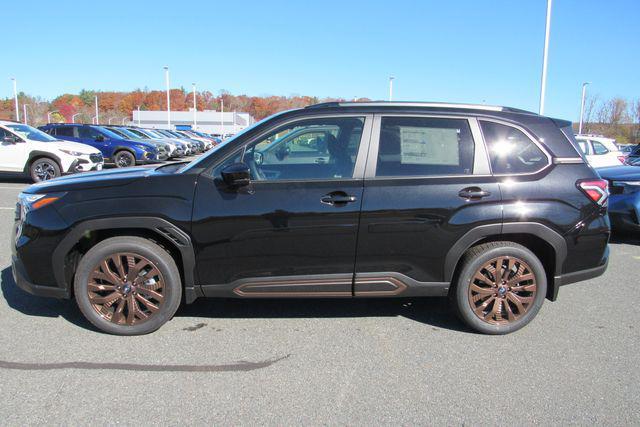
(118, 132)
(139, 133)
(29, 133)
(128, 133)
(108, 133)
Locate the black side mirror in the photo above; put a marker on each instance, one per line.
(236, 175)
(99, 138)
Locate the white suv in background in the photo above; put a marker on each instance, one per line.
(600, 151)
(24, 149)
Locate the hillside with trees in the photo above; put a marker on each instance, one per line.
(617, 118)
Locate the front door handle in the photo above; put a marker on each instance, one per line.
(473, 193)
(337, 198)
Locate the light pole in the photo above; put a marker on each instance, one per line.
(235, 113)
(222, 115)
(138, 116)
(166, 78)
(15, 97)
(195, 107)
(124, 119)
(97, 114)
(584, 93)
(73, 118)
(391, 79)
(24, 111)
(49, 115)
(543, 85)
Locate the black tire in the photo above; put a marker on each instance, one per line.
(160, 259)
(124, 159)
(44, 169)
(482, 255)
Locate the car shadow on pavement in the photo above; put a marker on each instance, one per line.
(431, 311)
(627, 238)
(32, 305)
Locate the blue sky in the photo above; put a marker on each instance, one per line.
(457, 51)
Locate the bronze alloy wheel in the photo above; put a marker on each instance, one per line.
(502, 290)
(126, 289)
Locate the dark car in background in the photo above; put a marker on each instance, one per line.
(493, 207)
(624, 199)
(116, 149)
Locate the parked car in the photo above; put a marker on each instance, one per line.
(600, 151)
(632, 153)
(27, 150)
(117, 150)
(191, 147)
(624, 199)
(166, 150)
(491, 206)
(197, 143)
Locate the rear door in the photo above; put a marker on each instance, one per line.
(427, 183)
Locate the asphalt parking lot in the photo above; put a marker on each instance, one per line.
(325, 362)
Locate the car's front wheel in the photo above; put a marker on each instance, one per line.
(500, 287)
(124, 159)
(127, 286)
(44, 169)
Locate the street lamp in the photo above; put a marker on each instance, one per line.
(24, 109)
(97, 114)
(49, 115)
(222, 115)
(124, 119)
(584, 93)
(166, 77)
(195, 107)
(138, 116)
(543, 85)
(73, 118)
(15, 97)
(391, 79)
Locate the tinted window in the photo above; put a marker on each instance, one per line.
(311, 149)
(415, 146)
(64, 131)
(510, 150)
(599, 148)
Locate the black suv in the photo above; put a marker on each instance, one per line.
(493, 207)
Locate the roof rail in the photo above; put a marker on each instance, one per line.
(419, 104)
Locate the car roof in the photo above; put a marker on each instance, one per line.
(422, 105)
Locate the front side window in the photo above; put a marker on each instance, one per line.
(599, 148)
(417, 146)
(510, 150)
(315, 149)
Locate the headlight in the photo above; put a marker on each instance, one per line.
(31, 202)
(71, 153)
(628, 186)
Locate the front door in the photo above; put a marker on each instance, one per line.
(293, 230)
(427, 183)
(13, 152)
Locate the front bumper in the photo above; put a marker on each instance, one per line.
(20, 277)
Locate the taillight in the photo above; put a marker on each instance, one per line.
(622, 159)
(596, 189)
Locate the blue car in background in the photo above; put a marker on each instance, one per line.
(115, 148)
(624, 198)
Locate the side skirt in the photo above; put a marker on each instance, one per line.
(384, 284)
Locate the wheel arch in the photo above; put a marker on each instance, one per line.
(88, 233)
(38, 154)
(549, 246)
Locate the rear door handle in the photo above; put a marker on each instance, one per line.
(472, 193)
(337, 198)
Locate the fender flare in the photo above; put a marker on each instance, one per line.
(37, 153)
(478, 233)
(178, 238)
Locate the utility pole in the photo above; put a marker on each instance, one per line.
(584, 94)
(391, 79)
(166, 77)
(15, 97)
(195, 107)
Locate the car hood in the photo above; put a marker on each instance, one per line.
(631, 173)
(75, 146)
(86, 180)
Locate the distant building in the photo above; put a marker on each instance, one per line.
(207, 121)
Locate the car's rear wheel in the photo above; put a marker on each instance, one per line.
(124, 159)
(127, 286)
(44, 169)
(500, 287)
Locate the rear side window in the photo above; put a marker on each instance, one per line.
(417, 146)
(64, 131)
(510, 150)
(599, 148)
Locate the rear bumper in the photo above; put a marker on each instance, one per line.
(580, 276)
(20, 277)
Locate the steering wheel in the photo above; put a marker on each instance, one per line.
(256, 173)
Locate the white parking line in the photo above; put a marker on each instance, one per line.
(8, 209)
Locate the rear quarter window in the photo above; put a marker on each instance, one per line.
(511, 151)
